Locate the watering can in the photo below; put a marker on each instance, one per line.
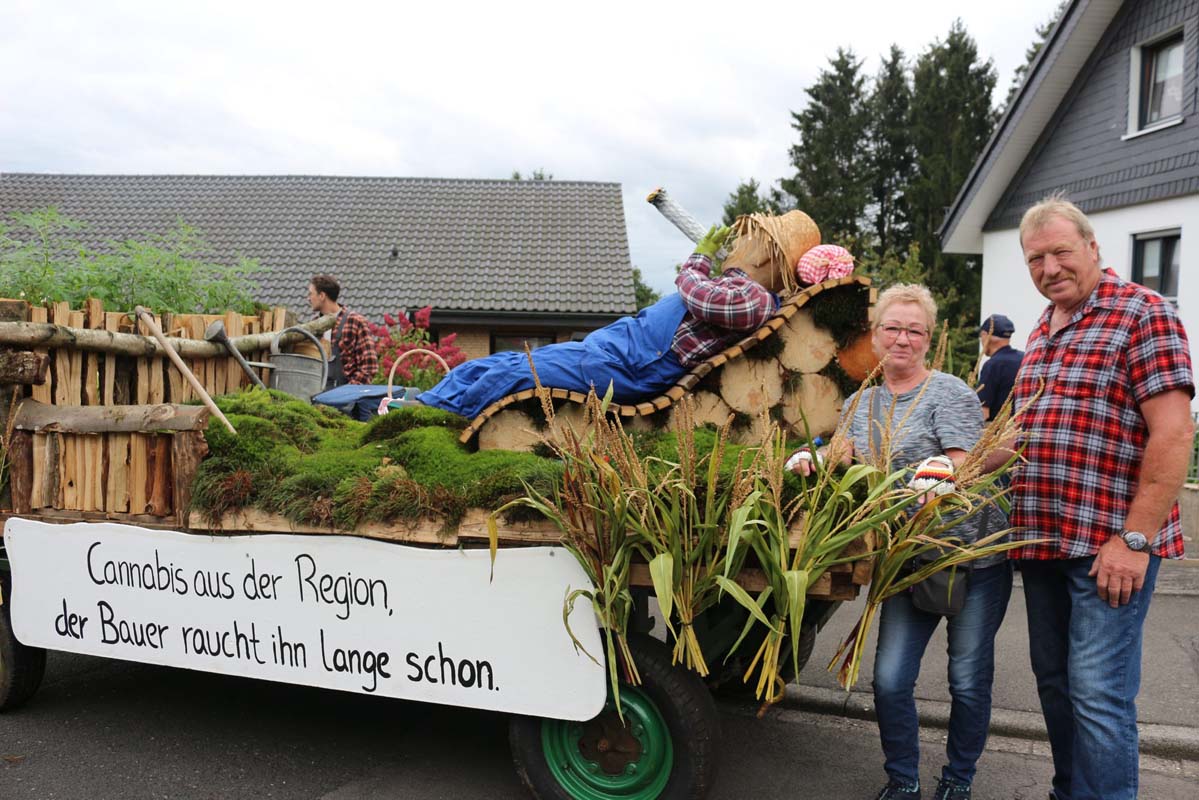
(298, 375)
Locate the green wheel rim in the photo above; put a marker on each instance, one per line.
(645, 774)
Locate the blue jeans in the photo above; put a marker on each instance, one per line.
(903, 635)
(1087, 659)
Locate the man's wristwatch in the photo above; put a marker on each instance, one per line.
(1135, 540)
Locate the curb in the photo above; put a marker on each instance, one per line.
(1163, 741)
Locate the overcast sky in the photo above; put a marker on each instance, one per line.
(695, 97)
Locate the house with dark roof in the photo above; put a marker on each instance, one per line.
(500, 261)
(1107, 115)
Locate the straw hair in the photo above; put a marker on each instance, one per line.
(774, 243)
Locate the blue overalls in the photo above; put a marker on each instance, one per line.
(633, 354)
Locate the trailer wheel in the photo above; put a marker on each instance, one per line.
(21, 667)
(666, 747)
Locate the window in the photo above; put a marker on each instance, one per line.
(501, 342)
(1155, 261)
(1155, 90)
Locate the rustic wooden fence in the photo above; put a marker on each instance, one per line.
(103, 435)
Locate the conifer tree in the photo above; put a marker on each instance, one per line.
(746, 199)
(951, 120)
(832, 173)
(891, 154)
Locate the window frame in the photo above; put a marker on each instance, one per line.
(1138, 256)
(1138, 88)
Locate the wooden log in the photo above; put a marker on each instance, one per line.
(41, 418)
(806, 348)
(187, 451)
(20, 464)
(751, 385)
(858, 359)
(820, 401)
(509, 430)
(41, 391)
(707, 407)
(39, 334)
(23, 367)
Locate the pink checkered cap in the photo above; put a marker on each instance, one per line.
(822, 262)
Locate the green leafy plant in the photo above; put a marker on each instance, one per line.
(43, 261)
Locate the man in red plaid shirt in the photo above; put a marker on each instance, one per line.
(353, 357)
(1107, 433)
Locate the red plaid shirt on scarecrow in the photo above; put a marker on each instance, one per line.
(359, 358)
(720, 311)
(1085, 436)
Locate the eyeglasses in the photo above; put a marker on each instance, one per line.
(891, 332)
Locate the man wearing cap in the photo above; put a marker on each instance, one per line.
(1105, 392)
(1003, 362)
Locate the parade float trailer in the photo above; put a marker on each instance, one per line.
(310, 549)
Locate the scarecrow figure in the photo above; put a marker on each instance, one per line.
(642, 356)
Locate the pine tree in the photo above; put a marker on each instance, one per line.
(951, 120)
(891, 154)
(644, 294)
(1030, 55)
(746, 199)
(832, 175)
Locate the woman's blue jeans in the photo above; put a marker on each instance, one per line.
(1087, 659)
(904, 632)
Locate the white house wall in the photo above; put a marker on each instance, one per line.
(1008, 289)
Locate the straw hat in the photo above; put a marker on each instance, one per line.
(775, 242)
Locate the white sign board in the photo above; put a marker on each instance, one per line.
(331, 611)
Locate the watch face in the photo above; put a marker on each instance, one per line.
(1135, 540)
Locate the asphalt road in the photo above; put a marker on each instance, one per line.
(103, 729)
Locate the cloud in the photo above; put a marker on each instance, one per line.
(692, 96)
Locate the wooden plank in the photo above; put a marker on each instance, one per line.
(577, 397)
(161, 486)
(176, 385)
(645, 409)
(234, 376)
(37, 480)
(473, 527)
(41, 418)
(116, 489)
(139, 458)
(187, 451)
(21, 470)
(626, 410)
(424, 531)
(91, 448)
(200, 367)
(112, 322)
(93, 311)
(863, 570)
(559, 394)
(676, 392)
(68, 469)
(43, 392)
(662, 402)
(688, 381)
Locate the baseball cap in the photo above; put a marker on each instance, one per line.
(998, 325)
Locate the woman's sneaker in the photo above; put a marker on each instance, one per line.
(951, 790)
(894, 790)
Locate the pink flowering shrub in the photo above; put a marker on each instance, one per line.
(398, 335)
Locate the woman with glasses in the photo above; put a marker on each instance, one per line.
(930, 414)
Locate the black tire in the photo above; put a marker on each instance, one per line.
(685, 707)
(21, 667)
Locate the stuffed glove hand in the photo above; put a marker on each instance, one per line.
(935, 475)
(713, 240)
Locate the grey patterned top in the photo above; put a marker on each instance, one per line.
(947, 417)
